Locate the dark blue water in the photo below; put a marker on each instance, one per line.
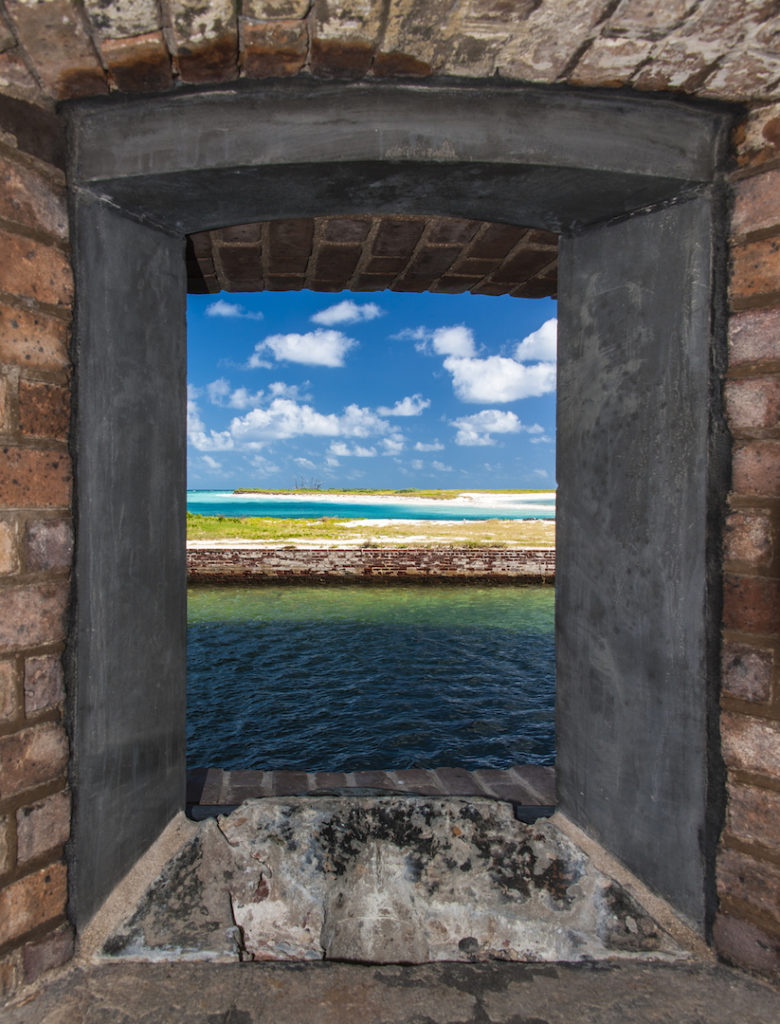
(223, 503)
(359, 677)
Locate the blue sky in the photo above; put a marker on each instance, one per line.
(370, 390)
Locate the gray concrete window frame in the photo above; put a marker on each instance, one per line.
(635, 186)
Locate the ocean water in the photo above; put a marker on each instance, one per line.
(360, 677)
(224, 503)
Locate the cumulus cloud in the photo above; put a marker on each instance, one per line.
(456, 340)
(479, 428)
(393, 445)
(541, 345)
(442, 468)
(411, 405)
(433, 446)
(197, 435)
(211, 463)
(305, 463)
(347, 312)
(231, 310)
(284, 419)
(221, 393)
(343, 450)
(315, 348)
(499, 379)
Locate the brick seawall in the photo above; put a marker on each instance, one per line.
(354, 565)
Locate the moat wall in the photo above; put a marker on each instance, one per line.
(386, 565)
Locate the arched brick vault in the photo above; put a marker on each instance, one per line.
(60, 49)
(404, 254)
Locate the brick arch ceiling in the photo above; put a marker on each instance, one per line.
(404, 254)
(721, 49)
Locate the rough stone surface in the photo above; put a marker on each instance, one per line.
(42, 826)
(9, 560)
(35, 270)
(33, 339)
(44, 409)
(43, 683)
(754, 337)
(30, 478)
(753, 815)
(384, 880)
(751, 744)
(33, 615)
(32, 757)
(747, 671)
(8, 701)
(31, 901)
(48, 545)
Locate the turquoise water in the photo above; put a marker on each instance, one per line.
(224, 503)
(360, 677)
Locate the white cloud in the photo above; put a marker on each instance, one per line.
(211, 463)
(434, 446)
(498, 379)
(441, 467)
(416, 464)
(264, 465)
(231, 309)
(315, 348)
(543, 439)
(542, 473)
(305, 463)
(347, 312)
(411, 405)
(393, 445)
(278, 389)
(454, 341)
(218, 391)
(284, 419)
(197, 435)
(477, 429)
(541, 345)
(331, 461)
(343, 450)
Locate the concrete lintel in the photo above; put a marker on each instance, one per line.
(283, 124)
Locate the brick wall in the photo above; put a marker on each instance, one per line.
(35, 544)
(748, 927)
(365, 254)
(251, 565)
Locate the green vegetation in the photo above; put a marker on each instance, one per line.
(516, 533)
(407, 492)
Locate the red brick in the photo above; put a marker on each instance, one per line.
(758, 137)
(746, 945)
(751, 744)
(754, 336)
(240, 262)
(756, 204)
(44, 685)
(747, 672)
(43, 826)
(273, 49)
(748, 537)
(451, 231)
(30, 478)
(47, 954)
(139, 64)
(32, 615)
(336, 262)
(345, 229)
(452, 284)
(756, 468)
(432, 263)
(44, 409)
(397, 237)
(31, 198)
(9, 559)
(290, 246)
(207, 40)
(399, 65)
(15, 77)
(55, 38)
(33, 339)
(749, 880)
(334, 58)
(496, 241)
(238, 234)
(6, 388)
(753, 404)
(35, 270)
(524, 264)
(48, 545)
(753, 815)
(32, 757)
(751, 604)
(8, 698)
(32, 901)
(755, 269)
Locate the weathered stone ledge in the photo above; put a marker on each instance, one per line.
(374, 565)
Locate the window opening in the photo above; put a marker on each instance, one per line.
(328, 400)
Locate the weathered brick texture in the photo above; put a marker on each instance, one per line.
(35, 492)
